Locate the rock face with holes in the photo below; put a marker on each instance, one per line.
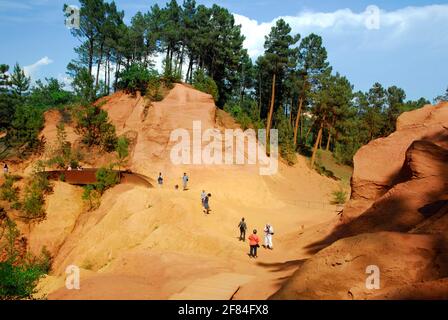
(396, 220)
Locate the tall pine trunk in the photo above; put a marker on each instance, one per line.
(98, 67)
(290, 111)
(91, 45)
(296, 126)
(189, 70)
(328, 141)
(318, 140)
(271, 108)
(259, 103)
(117, 71)
(181, 61)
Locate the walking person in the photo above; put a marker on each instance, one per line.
(206, 204)
(268, 233)
(185, 181)
(253, 243)
(5, 169)
(160, 179)
(203, 196)
(243, 227)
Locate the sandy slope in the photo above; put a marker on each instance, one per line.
(153, 243)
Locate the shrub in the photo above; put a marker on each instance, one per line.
(25, 128)
(159, 85)
(122, 150)
(92, 197)
(105, 179)
(206, 84)
(339, 196)
(153, 87)
(93, 124)
(50, 94)
(7, 190)
(62, 154)
(18, 281)
(245, 113)
(170, 75)
(135, 78)
(285, 139)
(83, 83)
(16, 205)
(19, 275)
(33, 202)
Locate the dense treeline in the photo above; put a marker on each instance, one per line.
(291, 87)
(294, 89)
(191, 39)
(22, 107)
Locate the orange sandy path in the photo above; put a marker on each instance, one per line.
(153, 243)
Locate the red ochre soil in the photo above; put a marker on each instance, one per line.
(156, 243)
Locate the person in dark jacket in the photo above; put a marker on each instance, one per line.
(206, 204)
(243, 227)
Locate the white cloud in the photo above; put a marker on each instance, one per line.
(65, 80)
(33, 68)
(13, 5)
(393, 25)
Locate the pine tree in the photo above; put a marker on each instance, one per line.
(20, 83)
(278, 45)
(312, 63)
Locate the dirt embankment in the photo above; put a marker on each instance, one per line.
(396, 220)
(157, 243)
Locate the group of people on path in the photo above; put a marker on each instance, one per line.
(205, 197)
(184, 181)
(254, 240)
(79, 168)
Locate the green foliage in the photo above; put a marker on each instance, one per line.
(63, 155)
(92, 197)
(83, 84)
(8, 191)
(18, 282)
(105, 179)
(20, 83)
(93, 124)
(285, 138)
(171, 75)
(122, 150)
(25, 127)
(33, 205)
(136, 78)
(16, 205)
(153, 87)
(204, 83)
(339, 196)
(19, 273)
(50, 94)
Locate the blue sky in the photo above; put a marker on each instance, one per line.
(408, 49)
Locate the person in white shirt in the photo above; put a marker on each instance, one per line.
(203, 196)
(268, 233)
